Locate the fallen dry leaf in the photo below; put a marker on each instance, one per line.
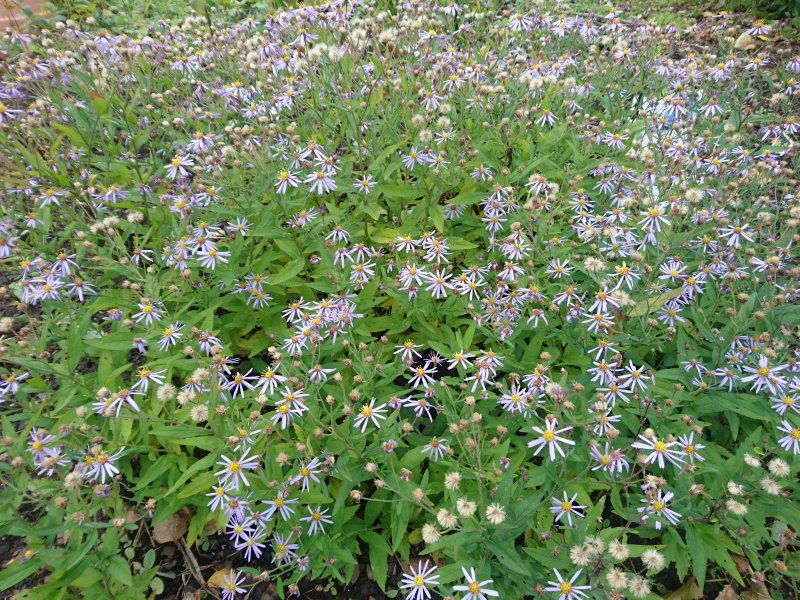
(171, 529)
(211, 527)
(757, 591)
(727, 593)
(131, 516)
(218, 578)
(742, 564)
(744, 42)
(688, 591)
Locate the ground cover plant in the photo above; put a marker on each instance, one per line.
(490, 302)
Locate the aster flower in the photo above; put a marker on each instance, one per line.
(170, 336)
(209, 258)
(286, 411)
(281, 505)
(658, 506)
(635, 378)
(250, 546)
(318, 374)
(691, 448)
(549, 438)
(625, 275)
(233, 470)
(405, 243)
(659, 451)
(316, 519)
(286, 179)
(566, 588)
(414, 157)
(735, 234)
(369, 413)
(179, 167)
(283, 549)
(654, 218)
(269, 380)
(38, 444)
(420, 406)
(436, 448)
(460, 358)
(307, 473)
(208, 342)
(785, 402)
(321, 181)
(407, 351)
(420, 578)
(422, 375)
(364, 184)
(219, 495)
(7, 113)
(566, 507)
(438, 285)
(609, 460)
(231, 585)
(239, 383)
(100, 465)
(145, 376)
(790, 441)
(764, 376)
(474, 589)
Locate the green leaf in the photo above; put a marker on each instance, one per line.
(110, 542)
(437, 216)
(149, 559)
(87, 578)
(204, 463)
(155, 470)
(119, 569)
(651, 305)
(379, 562)
(18, 572)
(285, 274)
(400, 518)
(506, 554)
(697, 551)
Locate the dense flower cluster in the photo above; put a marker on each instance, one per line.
(507, 301)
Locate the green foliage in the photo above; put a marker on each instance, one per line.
(129, 159)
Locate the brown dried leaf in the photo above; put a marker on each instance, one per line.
(218, 578)
(744, 42)
(757, 591)
(211, 527)
(727, 593)
(131, 515)
(171, 529)
(688, 591)
(742, 564)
